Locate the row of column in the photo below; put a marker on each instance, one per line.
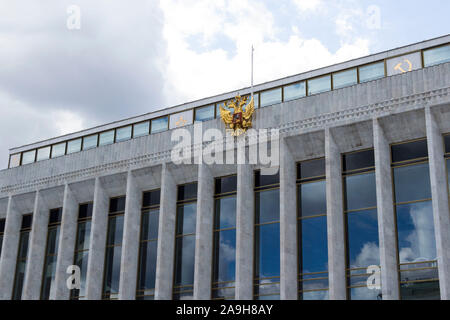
(245, 229)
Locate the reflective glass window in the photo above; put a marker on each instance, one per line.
(360, 201)
(436, 56)
(28, 157)
(313, 198)
(412, 183)
(123, 134)
(294, 91)
(82, 248)
(106, 138)
(345, 78)
(22, 257)
(148, 246)
(409, 151)
(319, 85)
(73, 146)
(185, 242)
(267, 239)
(415, 225)
(58, 150)
(312, 231)
(48, 289)
(2, 230)
(371, 72)
(43, 153)
(159, 125)
(360, 191)
(224, 245)
(447, 143)
(113, 248)
(141, 129)
(270, 97)
(204, 113)
(311, 169)
(14, 160)
(90, 142)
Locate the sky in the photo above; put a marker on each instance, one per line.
(63, 69)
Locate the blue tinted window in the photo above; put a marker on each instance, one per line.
(313, 198)
(160, 124)
(268, 206)
(435, 56)
(313, 245)
(90, 142)
(268, 249)
(43, 153)
(123, 134)
(141, 129)
(184, 260)
(28, 157)
(204, 113)
(106, 138)
(74, 146)
(294, 91)
(270, 97)
(415, 228)
(362, 231)
(319, 85)
(148, 254)
(345, 78)
(186, 218)
(371, 72)
(224, 255)
(225, 213)
(412, 183)
(150, 225)
(360, 191)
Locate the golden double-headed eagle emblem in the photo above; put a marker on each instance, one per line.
(239, 120)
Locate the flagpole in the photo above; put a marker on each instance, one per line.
(252, 72)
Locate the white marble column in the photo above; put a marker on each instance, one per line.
(288, 225)
(441, 216)
(97, 246)
(386, 217)
(130, 246)
(67, 239)
(36, 253)
(204, 234)
(166, 236)
(10, 248)
(245, 229)
(335, 219)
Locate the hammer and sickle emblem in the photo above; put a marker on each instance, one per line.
(398, 67)
(180, 122)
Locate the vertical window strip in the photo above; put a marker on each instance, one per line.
(48, 283)
(185, 241)
(267, 237)
(361, 221)
(2, 230)
(147, 248)
(224, 265)
(113, 252)
(312, 227)
(81, 254)
(418, 270)
(22, 256)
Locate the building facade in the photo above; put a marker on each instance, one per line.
(362, 188)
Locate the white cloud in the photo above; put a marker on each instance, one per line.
(305, 5)
(194, 72)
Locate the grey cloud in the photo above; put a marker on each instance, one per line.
(108, 70)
